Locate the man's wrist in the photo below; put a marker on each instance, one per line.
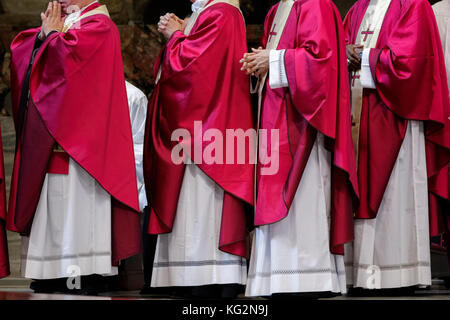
(173, 33)
(51, 32)
(41, 35)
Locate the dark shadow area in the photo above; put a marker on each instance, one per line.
(254, 10)
(155, 9)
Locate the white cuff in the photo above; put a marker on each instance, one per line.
(277, 70)
(366, 73)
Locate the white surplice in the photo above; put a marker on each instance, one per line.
(189, 255)
(71, 228)
(72, 224)
(293, 255)
(393, 250)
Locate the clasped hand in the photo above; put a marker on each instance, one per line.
(256, 62)
(51, 19)
(169, 24)
(353, 56)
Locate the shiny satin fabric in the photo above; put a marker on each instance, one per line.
(409, 72)
(317, 100)
(78, 100)
(201, 80)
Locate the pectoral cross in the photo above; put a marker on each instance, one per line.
(366, 33)
(272, 33)
(354, 77)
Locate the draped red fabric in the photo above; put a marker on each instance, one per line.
(317, 100)
(4, 261)
(77, 100)
(409, 72)
(201, 81)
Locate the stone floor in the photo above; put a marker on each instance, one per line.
(18, 289)
(20, 293)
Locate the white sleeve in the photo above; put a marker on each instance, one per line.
(138, 116)
(366, 73)
(277, 70)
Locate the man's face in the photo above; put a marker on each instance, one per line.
(66, 4)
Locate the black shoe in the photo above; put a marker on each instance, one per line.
(295, 296)
(216, 291)
(49, 286)
(94, 285)
(394, 292)
(91, 285)
(155, 292)
(232, 291)
(447, 282)
(88, 287)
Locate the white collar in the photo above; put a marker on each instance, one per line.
(198, 5)
(76, 12)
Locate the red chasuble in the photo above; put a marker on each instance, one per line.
(77, 100)
(408, 69)
(201, 80)
(317, 100)
(4, 262)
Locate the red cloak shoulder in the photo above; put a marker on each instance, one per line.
(78, 87)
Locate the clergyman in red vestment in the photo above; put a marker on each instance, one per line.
(73, 192)
(198, 209)
(401, 132)
(304, 212)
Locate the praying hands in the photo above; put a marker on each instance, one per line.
(51, 20)
(169, 24)
(256, 62)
